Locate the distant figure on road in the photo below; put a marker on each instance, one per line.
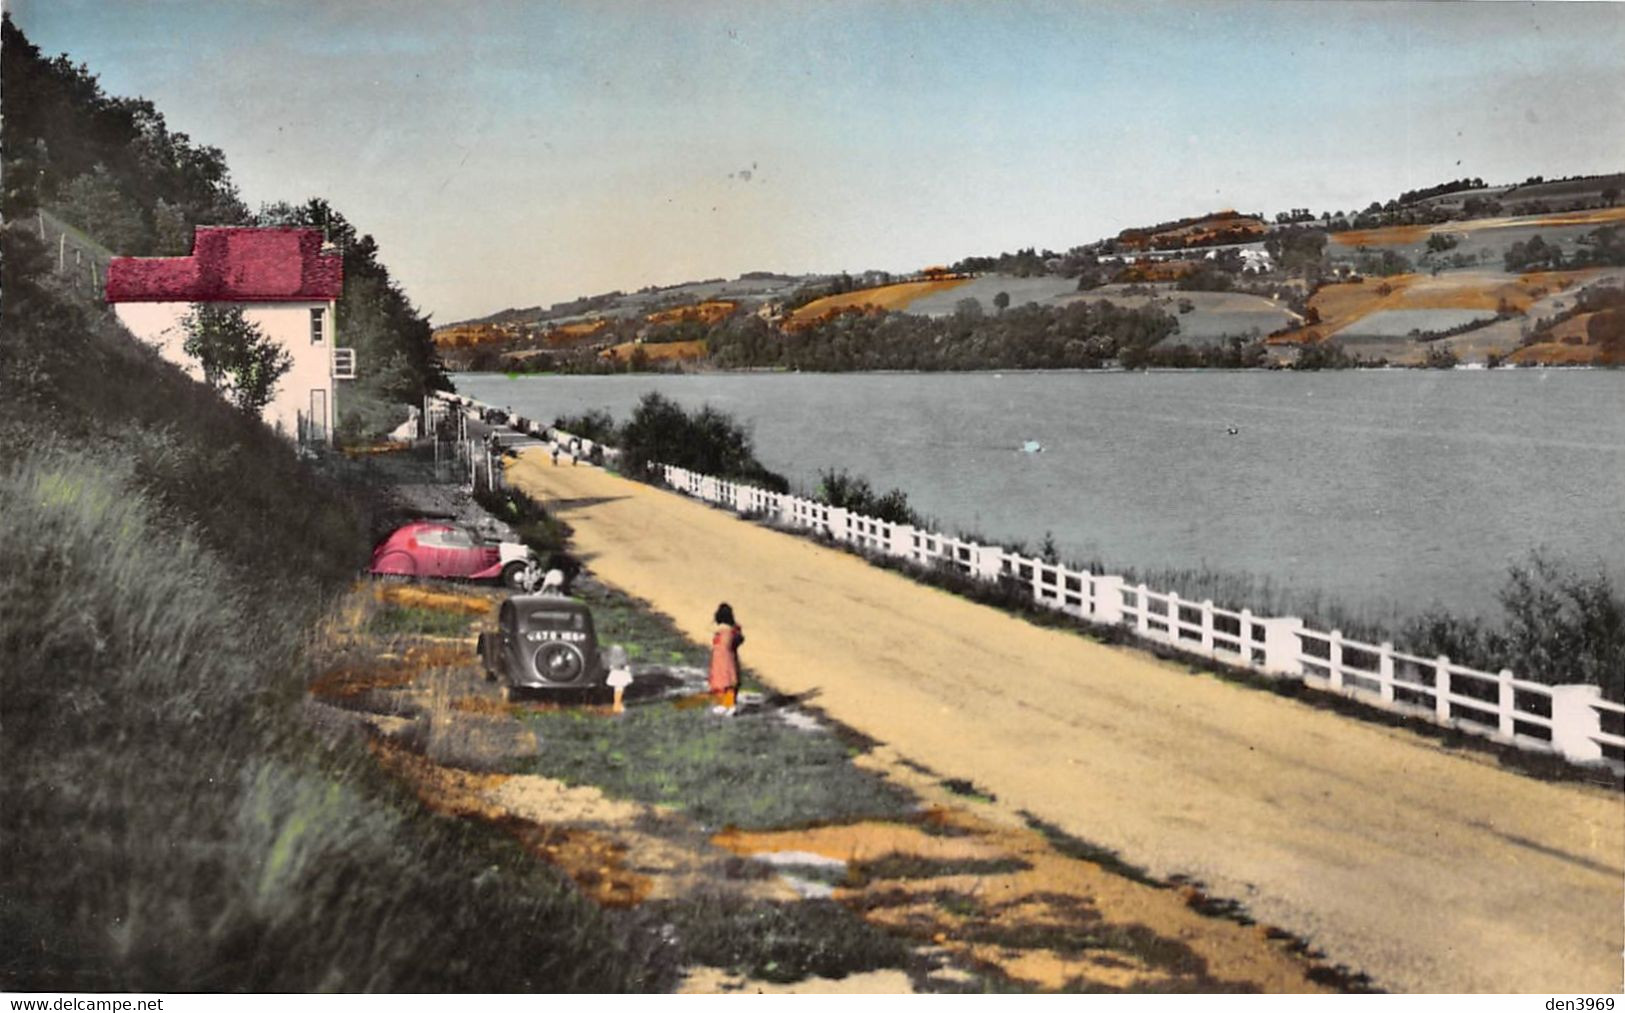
(724, 680)
(555, 455)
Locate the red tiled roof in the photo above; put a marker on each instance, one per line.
(232, 264)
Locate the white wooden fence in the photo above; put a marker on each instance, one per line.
(1571, 721)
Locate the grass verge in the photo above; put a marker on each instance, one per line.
(751, 771)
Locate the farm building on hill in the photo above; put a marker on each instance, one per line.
(285, 282)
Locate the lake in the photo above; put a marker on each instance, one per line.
(1384, 490)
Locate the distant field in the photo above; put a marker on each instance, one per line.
(1596, 339)
(1343, 305)
(468, 335)
(570, 335)
(1218, 316)
(886, 297)
(1042, 289)
(1409, 235)
(705, 312)
(1399, 323)
(664, 352)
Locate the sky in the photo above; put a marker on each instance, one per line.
(510, 154)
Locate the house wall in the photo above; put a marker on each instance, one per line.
(286, 323)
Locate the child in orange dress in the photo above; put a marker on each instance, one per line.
(724, 679)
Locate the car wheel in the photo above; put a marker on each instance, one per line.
(559, 662)
(513, 576)
(399, 566)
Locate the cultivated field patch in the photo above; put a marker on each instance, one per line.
(1344, 305)
(1046, 290)
(1407, 235)
(666, 351)
(711, 312)
(886, 297)
(571, 335)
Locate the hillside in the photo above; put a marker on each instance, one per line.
(175, 821)
(1206, 230)
(1467, 272)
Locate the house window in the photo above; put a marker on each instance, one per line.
(317, 326)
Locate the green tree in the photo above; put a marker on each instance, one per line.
(96, 204)
(394, 343)
(237, 358)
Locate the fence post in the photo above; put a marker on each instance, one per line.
(1108, 598)
(988, 562)
(1508, 704)
(1142, 620)
(1385, 671)
(1441, 689)
(1334, 660)
(1207, 625)
(1575, 721)
(838, 526)
(1281, 646)
(901, 542)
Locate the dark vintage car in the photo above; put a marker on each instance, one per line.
(543, 642)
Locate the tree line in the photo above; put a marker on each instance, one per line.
(113, 168)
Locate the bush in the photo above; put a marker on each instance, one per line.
(853, 493)
(544, 534)
(707, 441)
(1561, 626)
(596, 424)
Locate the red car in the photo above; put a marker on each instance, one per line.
(442, 549)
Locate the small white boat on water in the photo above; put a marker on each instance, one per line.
(1032, 447)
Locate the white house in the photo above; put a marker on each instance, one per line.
(285, 282)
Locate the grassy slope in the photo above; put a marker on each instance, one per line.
(172, 823)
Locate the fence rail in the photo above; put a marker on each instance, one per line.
(1571, 721)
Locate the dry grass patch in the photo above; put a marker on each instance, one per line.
(413, 596)
(352, 679)
(1006, 899)
(595, 862)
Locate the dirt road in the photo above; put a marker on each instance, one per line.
(1428, 870)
